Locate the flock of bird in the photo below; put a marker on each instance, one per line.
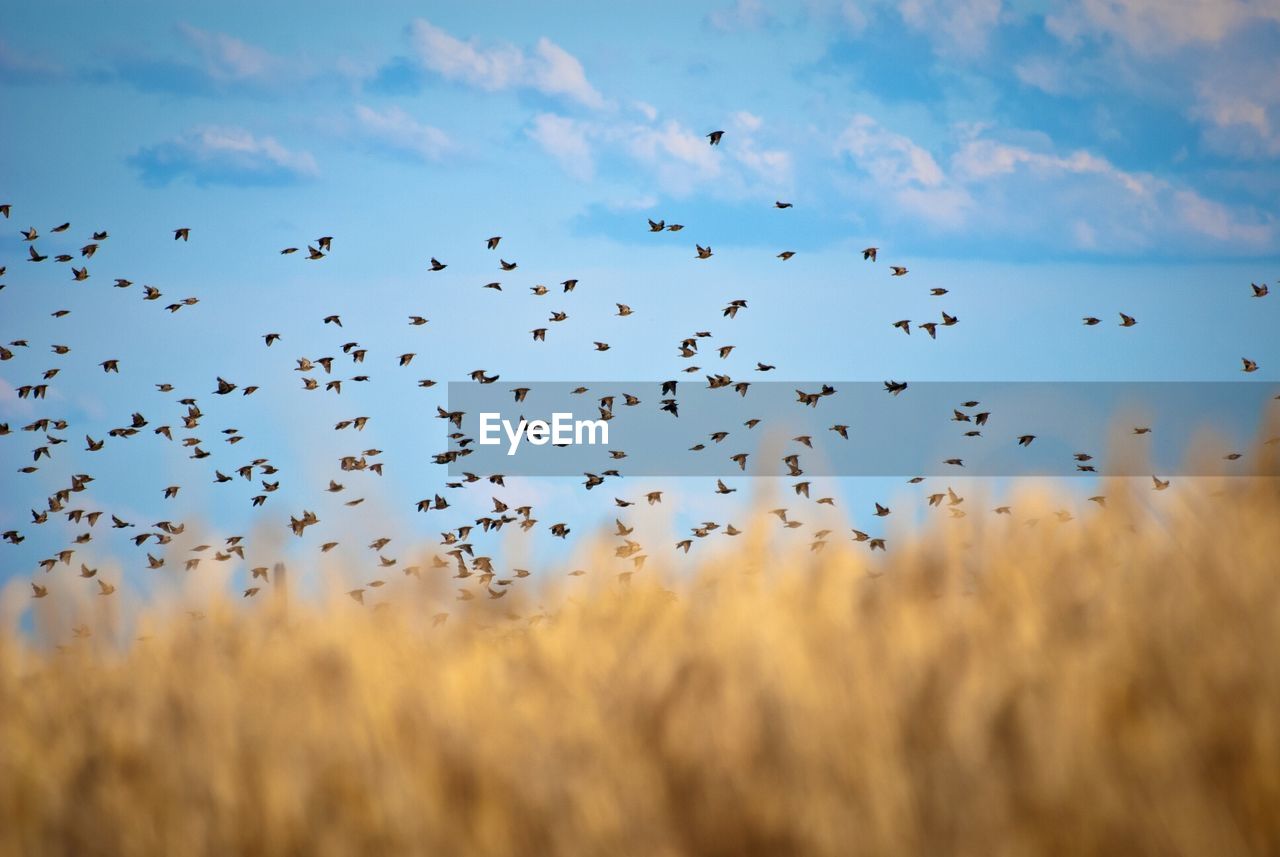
(458, 552)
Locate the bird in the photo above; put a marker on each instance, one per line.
(897, 271)
(437, 265)
(714, 137)
(1127, 320)
(782, 205)
(1249, 365)
(1259, 291)
(703, 252)
(182, 233)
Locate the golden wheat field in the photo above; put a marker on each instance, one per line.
(1102, 685)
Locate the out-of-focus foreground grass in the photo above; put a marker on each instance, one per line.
(1105, 685)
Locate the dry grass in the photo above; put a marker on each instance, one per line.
(1108, 685)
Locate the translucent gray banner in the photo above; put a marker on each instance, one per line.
(718, 427)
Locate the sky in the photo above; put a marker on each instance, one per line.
(1041, 161)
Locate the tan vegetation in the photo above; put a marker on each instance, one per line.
(1102, 685)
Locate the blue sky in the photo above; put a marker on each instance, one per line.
(1041, 161)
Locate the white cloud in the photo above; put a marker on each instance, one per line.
(9, 399)
(747, 121)
(680, 157)
(549, 69)
(452, 58)
(960, 27)
(904, 171)
(640, 202)
(891, 159)
(226, 59)
(739, 15)
(558, 72)
(1043, 74)
(1238, 103)
(1208, 48)
(1214, 219)
(679, 160)
(1157, 26)
(565, 140)
(772, 166)
(982, 159)
(854, 16)
(646, 109)
(1033, 191)
(1086, 237)
(223, 155)
(1137, 207)
(397, 131)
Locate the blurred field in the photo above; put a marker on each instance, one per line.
(1105, 685)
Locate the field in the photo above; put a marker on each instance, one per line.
(1001, 685)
